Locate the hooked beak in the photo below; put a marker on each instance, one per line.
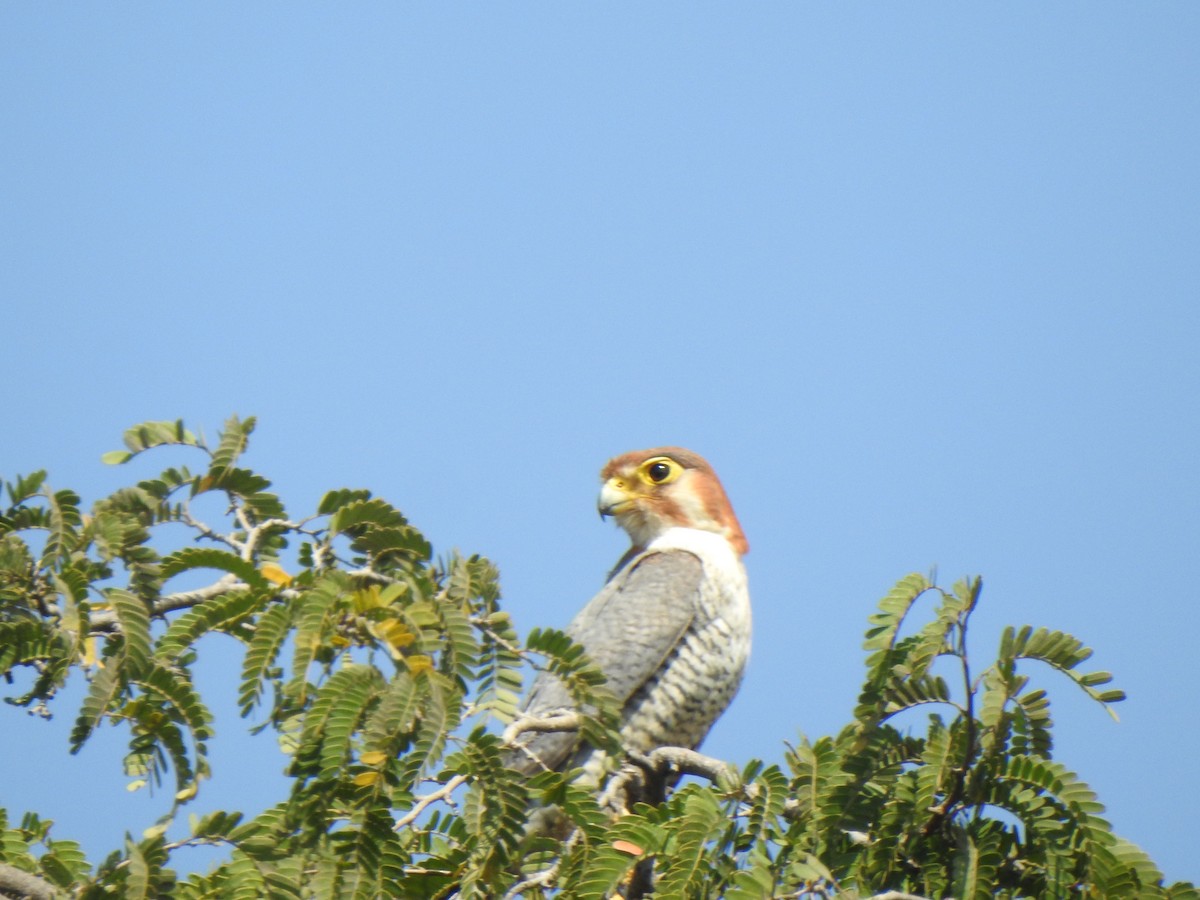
(614, 498)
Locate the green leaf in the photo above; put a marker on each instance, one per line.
(441, 712)
(134, 619)
(26, 486)
(215, 825)
(389, 728)
(885, 624)
(156, 434)
(362, 848)
(242, 879)
(173, 685)
(224, 613)
(211, 558)
(271, 630)
(754, 882)
(340, 705)
(335, 500)
(355, 515)
(1063, 652)
(139, 882)
(768, 794)
(905, 693)
(25, 641)
(499, 675)
(105, 686)
(685, 870)
(231, 445)
(584, 682)
(604, 866)
(1032, 724)
(315, 616)
(64, 863)
(64, 522)
(976, 862)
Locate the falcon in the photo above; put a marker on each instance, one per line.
(670, 629)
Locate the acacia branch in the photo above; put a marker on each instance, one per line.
(682, 761)
(566, 720)
(556, 722)
(254, 533)
(958, 790)
(480, 622)
(212, 534)
(442, 793)
(647, 776)
(542, 879)
(19, 883)
(106, 620)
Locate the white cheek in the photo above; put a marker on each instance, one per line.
(694, 511)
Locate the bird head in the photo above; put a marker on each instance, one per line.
(650, 491)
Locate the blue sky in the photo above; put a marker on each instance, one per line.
(920, 280)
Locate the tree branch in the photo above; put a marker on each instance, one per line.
(648, 776)
(19, 883)
(206, 531)
(542, 879)
(106, 620)
(442, 793)
(671, 760)
(564, 721)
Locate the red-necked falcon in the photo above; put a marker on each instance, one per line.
(670, 629)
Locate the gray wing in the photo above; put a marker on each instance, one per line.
(628, 630)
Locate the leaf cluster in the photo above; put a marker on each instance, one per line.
(385, 674)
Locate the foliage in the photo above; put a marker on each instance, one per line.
(381, 668)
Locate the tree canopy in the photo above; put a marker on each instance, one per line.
(392, 678)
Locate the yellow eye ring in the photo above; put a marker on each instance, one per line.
(659, 470)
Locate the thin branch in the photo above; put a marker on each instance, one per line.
(567, 720)
(106, 620)
(670, 760)
(208, 532)
(564, 721)
(442, 793)
(479, 622)
(648, 776)
(544, 878)
(959, 789)
(239, 513)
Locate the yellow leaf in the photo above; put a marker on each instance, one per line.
(88, 657)
(418, 663)
(367, 598)
(366, 779)
(275, 574)
(338, 641)
(373, 758)
(395, 632)
(187, 793)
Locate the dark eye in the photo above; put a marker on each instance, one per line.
(658, 472)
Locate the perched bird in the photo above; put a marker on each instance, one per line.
(670, 629)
